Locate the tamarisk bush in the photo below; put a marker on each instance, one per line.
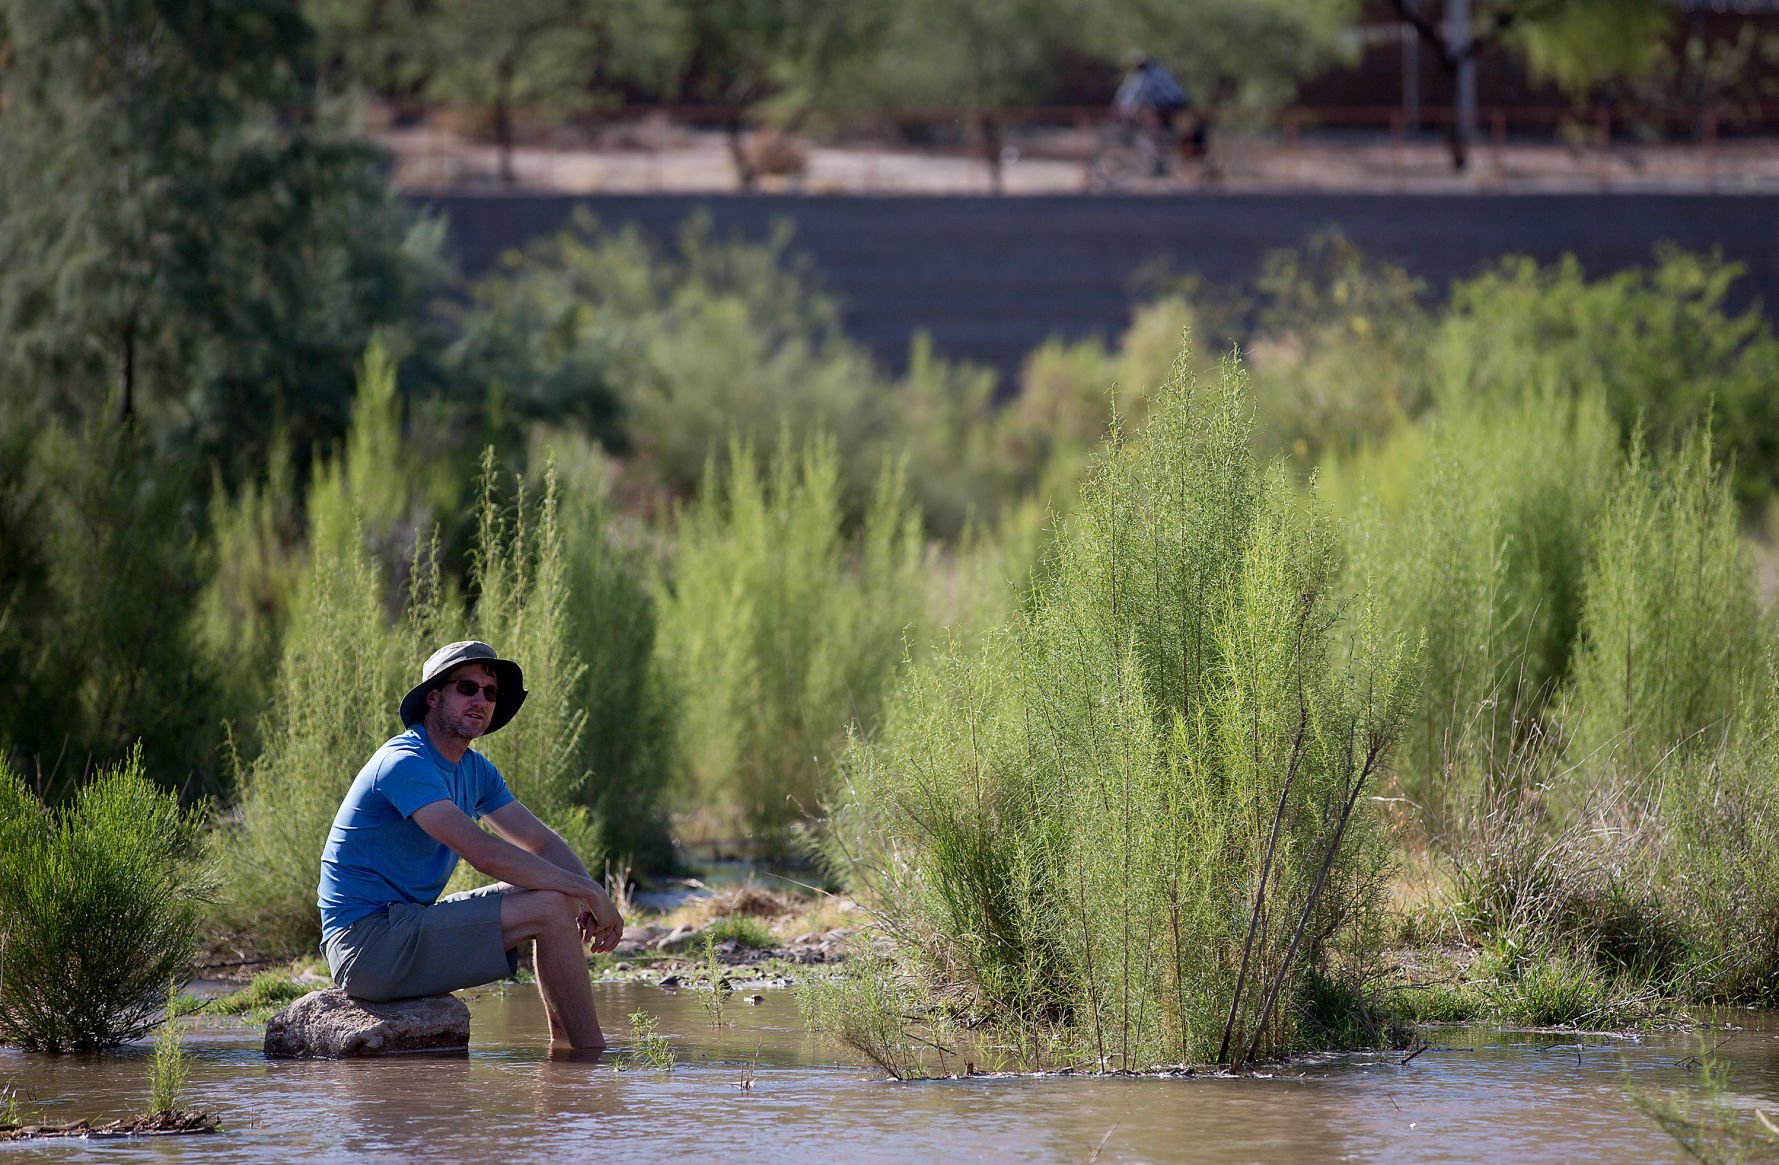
(99, 907)
(778, 630)
(1134, 824)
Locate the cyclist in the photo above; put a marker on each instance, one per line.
(1149, 96)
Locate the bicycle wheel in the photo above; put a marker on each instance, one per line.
(1116, 167)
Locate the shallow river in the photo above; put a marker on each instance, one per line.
(1476, 1095)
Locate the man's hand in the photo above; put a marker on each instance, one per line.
(601, 924)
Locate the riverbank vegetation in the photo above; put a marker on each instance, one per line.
(1151, 705)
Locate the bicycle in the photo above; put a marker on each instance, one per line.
(1129, 156)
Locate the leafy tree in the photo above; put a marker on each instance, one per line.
(738, 55)
(1577, 44)
(1234, 57)
(518, 54)
(977, 58)
(186, 240)
(98, 579)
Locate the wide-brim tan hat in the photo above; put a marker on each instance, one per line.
(508, 677)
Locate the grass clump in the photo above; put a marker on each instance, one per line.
(99, 906)
(873, 1008)
(1132, 825)
(268, 993)
(742, 930)
(11, 1113)
(648, 1047)
(169, 1068)
(716, 1004)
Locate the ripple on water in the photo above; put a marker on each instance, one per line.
(764, 1089)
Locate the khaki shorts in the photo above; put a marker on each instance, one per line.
(406, 950)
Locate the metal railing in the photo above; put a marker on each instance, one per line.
(1053, 150)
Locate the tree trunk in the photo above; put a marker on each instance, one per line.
(990, 132)
(1460, 148)
(744, 168)
(503, 121)
(126, 372)
(1455, 49)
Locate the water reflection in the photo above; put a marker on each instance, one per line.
(762, 1088)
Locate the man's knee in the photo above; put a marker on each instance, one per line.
(528, 913)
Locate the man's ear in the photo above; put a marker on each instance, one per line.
(432, 699)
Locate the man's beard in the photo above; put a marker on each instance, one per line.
(460, 726)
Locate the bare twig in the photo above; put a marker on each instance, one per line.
(1272, 842)
(1374, 750)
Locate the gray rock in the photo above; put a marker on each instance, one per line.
(643, 935)
(331, 1025)
(678, 938)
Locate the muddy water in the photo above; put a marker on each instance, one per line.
(1477, 1095)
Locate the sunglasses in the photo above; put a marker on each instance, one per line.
(471, 687)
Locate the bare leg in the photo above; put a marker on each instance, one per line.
(548, 918)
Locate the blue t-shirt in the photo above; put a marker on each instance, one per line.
(375, 854)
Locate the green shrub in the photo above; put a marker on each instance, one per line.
(778, 632)
(519, 577)
(648, 1047)
(1070, 394)
(943, 418)
(1336, 346)
(342, 673)
(667, 354)
(628, 746)
(1670, 633)
(1131, 822)
(254, 558)
(664, 356)
(873, 1009)
(1474, 531)
(99, 905)
(1716, 857)
(1333, 341)
(1658, 343)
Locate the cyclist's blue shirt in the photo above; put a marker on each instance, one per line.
(375, 854)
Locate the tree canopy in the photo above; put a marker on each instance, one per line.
(185, 240)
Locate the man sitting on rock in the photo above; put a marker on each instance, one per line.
(410, 814)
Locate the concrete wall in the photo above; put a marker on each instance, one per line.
(991, 278)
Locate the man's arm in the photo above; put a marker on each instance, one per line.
(527, 860)
(519, 826)
(448, 825)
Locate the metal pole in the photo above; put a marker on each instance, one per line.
(1291, 145)
(1398, 128)
(1499, 125)
(1711, 149)
(1458, 34)
(1604, 140)
(1411, 70)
